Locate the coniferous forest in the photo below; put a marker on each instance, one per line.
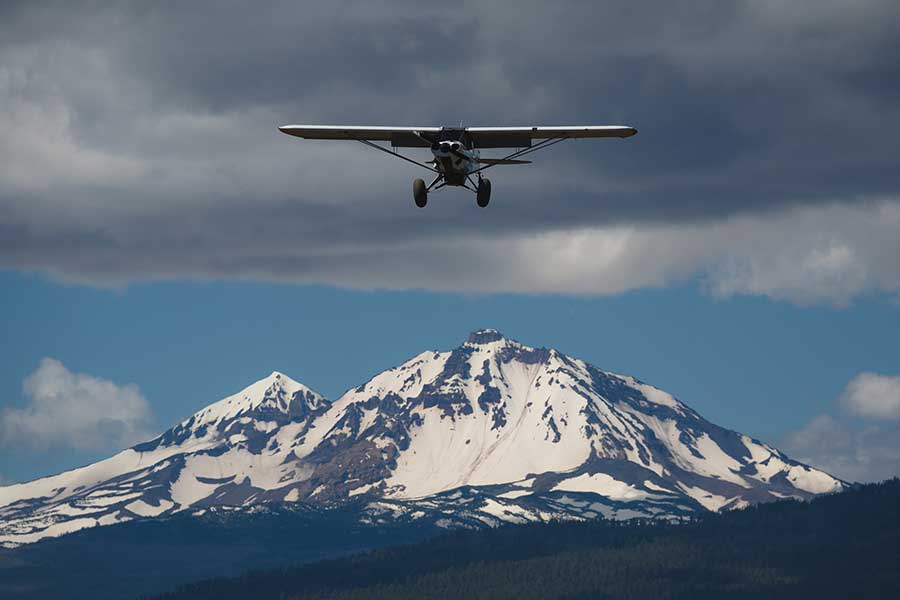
(840, 546)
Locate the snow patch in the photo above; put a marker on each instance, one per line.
(141, 508)
(602, 484)
(360, 490)
(515, 494)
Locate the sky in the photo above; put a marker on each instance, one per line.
(162, 245)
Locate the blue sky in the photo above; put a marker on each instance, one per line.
(761, 367)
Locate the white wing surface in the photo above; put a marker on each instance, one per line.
(478, 137)
(521, 137)
(397, 136)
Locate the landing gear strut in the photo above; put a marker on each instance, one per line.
(483, 193)
(420, 190)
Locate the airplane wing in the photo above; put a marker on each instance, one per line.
(521, 137)
(397, 136)
(480, 137)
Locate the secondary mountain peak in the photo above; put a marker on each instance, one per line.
(246, 419)
(275, 393)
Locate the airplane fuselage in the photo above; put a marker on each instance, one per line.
(454, 161)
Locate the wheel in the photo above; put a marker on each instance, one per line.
(483, 196)
(420, 193)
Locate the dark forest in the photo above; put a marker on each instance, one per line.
(844, 545)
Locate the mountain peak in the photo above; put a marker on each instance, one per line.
(249, 416)
(274, 382)
(279, 379)
(276, 393)
(485, 336)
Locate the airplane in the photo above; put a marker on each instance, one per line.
(457, 150)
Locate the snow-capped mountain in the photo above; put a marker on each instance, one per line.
(491, 431)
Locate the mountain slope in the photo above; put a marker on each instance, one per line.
(491, 431)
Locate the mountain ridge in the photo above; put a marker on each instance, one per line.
(491, 431)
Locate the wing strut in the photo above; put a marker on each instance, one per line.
(523, 151)
(396, 154)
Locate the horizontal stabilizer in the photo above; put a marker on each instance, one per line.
(503, 161)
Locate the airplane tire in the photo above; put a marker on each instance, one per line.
(483, 196)
(420, 193)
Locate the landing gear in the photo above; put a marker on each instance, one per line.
(481, 187)
(483, 194)
(420, 193)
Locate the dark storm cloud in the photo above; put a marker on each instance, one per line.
(139, 141)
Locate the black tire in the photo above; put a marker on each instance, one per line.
(420, 193)
(483, 196)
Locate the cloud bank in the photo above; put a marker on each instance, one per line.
(140, 143)
(76, 411)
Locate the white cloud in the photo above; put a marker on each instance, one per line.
(853, 453)
(847, 447)
(75, 410)
(873, 396)
(811, 255)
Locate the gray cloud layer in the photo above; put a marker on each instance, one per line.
(139, 142)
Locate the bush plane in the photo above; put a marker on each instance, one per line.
(457, 159)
